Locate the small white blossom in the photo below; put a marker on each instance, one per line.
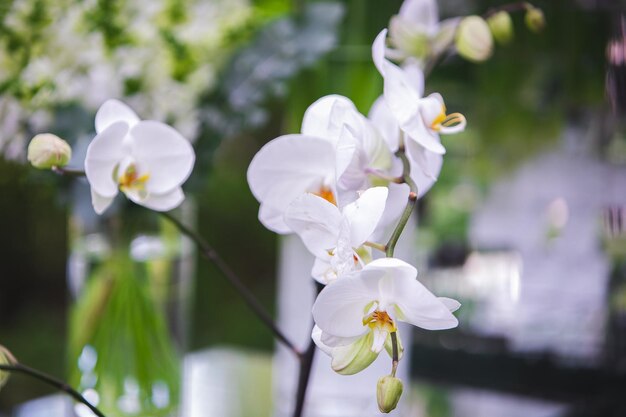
(147, 160)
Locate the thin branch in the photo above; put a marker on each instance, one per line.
(305, 370)
(410, 205)
(68, 172)
(50, 380)
(395, 354)
(210, 254)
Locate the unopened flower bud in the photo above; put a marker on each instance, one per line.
(473, 39)
(501, 27)
(47, 150)
(535, 20)
(388, 393)
(6, 358)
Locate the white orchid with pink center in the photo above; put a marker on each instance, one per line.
(369, 303)
(147, 160)
(335, 237)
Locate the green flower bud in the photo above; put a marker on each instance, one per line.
(501, 27)
(353, 358)
(47, 150)
(388, 393)
(5, 359)
(535, 20)
(473, 39)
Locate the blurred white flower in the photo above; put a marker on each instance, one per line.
(417, 32)
(147, 160)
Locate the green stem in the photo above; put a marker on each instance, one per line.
(378, 246)
(210, 254)
(395, 353)
(411, 202)
(50, 380)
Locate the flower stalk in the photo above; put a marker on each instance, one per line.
(52, 381)
(411, 201)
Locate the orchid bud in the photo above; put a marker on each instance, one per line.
(535, 20)
(6, 358)
(473, 39)
(388, 393)
(47, 150)
(501, 27)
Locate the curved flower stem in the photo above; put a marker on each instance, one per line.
(211, 254)
(68, 172)
(406, 214)
(395, 354)
(305, 369)
(50, 380)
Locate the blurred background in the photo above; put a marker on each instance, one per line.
(526, 225)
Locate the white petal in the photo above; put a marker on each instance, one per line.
(420, 307)
(414, 75)
(387, 125)
(334, 341)
(164, 153)
(365, 213)
(316, 221)
(451, 304)
(340, 307)
(425, 166)
(380, 336)
(104, 152)
(445, 35)
(325, 117)
(289, 166)
(160, 202)
(100, 203)
(273, 219)
(378, 51)
(350, 174)
(316, 335)
(113, 111)
(322, 270)
(422, 13)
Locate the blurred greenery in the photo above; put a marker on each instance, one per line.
(516, 105)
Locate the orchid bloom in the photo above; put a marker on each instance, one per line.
(147, 160)
(425, 165)
(369, 303)
(361, 150)
(421, 119)
(287, 167)
(417, 32)
(335, 236)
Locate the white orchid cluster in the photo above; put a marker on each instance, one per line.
(70, 61)
(340, 185)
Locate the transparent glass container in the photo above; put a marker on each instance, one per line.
(130, 277)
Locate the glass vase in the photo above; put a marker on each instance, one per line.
(130, 277)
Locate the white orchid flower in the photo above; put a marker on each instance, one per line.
(417, 32)
(425, 165)
(147, 160)
(370, 302)
(422, 119)
(335, 236)
(360, 147)
(286, 168)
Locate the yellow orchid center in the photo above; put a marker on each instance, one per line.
(327, 194)
(130, 180)
(444, 122)
(381, 320)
